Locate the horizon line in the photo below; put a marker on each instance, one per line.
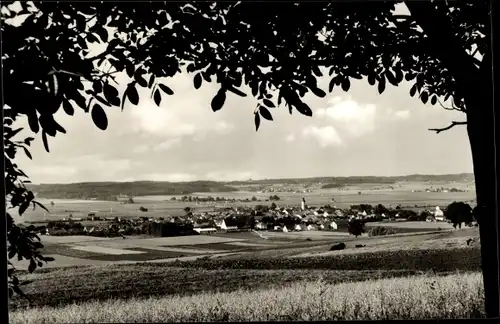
(260, 179)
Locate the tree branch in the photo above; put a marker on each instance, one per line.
(453, 107)
(453, 124)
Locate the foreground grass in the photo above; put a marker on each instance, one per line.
(413, 297)
(59, 287)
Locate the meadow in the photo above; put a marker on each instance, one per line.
(428, 296)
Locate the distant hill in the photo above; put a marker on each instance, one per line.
(360, 179)
(110, 190)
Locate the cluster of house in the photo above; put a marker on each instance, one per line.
(295, 218)
(442, 189)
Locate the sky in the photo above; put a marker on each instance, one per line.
(353, 133)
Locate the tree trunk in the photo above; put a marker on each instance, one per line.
(480, 128)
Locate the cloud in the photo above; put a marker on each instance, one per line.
(402, 114)
(326, 136)
(167, 144)
(290, 138)
(140, 149)
(352, 117)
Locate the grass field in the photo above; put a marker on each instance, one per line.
(309, 296)
(405, 276)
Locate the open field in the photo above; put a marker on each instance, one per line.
(414, 297)
(412, 269)
(82, 250)
(162, 206)
(419, 254)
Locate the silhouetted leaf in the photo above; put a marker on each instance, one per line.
(268, 103)
(40, 205)
(236, 91)
(424, 97)
(157, 97)
(381, 84)
(132, 94)
(391, 78)
(33, 122)
(433, 100)
(23, 207)
(265, 113)
(331, 85)
(68, 108)
(218, 100)
(140, 79)
(28, 154)
(151, 81)
(317, 71)
(129, 68)
(99, 117)
(346, 84)
(371, 79)
(318, 92)
(28, 140)
(413, 90)
(304, 109)
(399, 75)
(409, 76)
(257, 121)
(103, 101)
(103, 33)
(45, 143)
(110, 92)
(97, 86)
(166, 89)
(197, 81)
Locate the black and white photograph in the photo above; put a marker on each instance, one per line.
(236, 161)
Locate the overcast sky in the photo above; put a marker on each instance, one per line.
(354, 133)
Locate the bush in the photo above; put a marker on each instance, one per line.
(380, 230)
(338, 247)
(356, 227)
(59, 232)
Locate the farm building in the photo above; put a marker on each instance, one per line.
(205, 230)
(297, 227)
(438, 214)
(285, 230)
(260, 226)
(333, 225)
(310, 227)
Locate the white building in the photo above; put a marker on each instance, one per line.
(439, 215)
(333, 225)
(285, 230)
(297, 227)
(303, 204)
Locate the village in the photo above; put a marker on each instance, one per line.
(235, 219)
